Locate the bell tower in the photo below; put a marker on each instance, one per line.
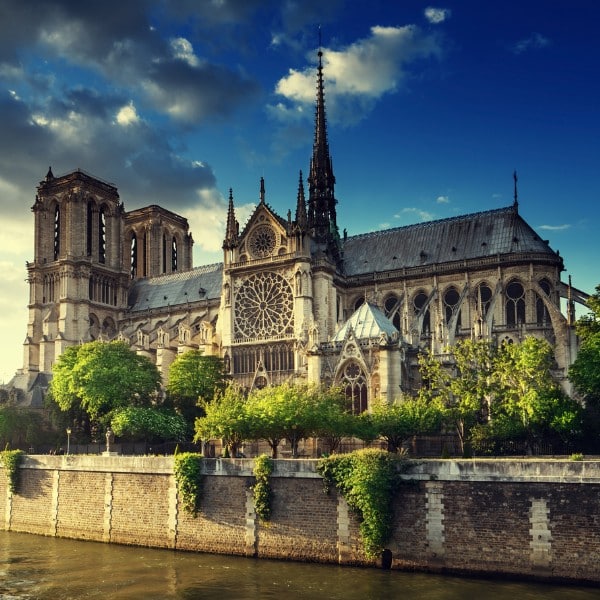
(77, 281)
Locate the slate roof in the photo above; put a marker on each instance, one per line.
(367, 322)
(477, 235)
(201, 283)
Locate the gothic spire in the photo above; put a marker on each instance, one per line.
(516, 195)
(321, 181)
(231, 230)
(301, 218)
(262, 190)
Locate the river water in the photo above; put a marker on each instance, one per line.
(44, 568)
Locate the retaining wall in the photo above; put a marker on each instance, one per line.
(526, 518)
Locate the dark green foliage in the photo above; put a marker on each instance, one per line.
(11, 460)
(188, 473)
(367, 479)
(151, 424)
(263, 467)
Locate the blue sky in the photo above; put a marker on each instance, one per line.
(431, 107)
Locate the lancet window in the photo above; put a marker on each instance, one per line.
(354, 383)
(515, 304)
(56, 232)
(419, 303)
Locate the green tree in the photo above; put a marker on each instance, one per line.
(19, 428)
(589, 325)
(225, 418)
(99, 377)
(334, 421)
(194, 377)
(150, 424)
(529, 396)
(399, 421)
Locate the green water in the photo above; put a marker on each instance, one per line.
(41, 568)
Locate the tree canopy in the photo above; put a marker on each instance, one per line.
(99, 377)
(194, 377)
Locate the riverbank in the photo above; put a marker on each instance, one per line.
(528, 518)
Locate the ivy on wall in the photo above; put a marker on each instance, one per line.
(367, 479)
(11, 460)
(263, 467)
(188, 474)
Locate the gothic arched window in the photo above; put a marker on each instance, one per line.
(451, 302)
(56, 232)
(102, 235)
(89, 228)
(354, 383)
(133, 251)
(164, 253)
(483, 299)
(174, 254)
(515, 303)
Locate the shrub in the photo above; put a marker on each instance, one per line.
(367, 479)
(11, 460)
(263, 467)
(188, 473)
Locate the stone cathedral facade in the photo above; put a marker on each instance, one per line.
(293, 300)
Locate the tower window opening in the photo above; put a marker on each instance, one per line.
(102, 236)
(56, 232)
(174, 254)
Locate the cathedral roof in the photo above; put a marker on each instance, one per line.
(479, 235)
(202, 283)
(367, 322)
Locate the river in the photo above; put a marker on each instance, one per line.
(43, 568)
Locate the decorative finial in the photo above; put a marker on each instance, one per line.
(262, 190)
(516, 196)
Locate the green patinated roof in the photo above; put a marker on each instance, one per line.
(367, 322)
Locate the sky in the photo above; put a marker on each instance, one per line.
(431, 107)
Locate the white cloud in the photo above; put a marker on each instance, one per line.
(127, 115)
(437, 15)
(443, 200)
(535, 41)
(410, 213)
(362, 72)
(555, 227)
(183, 50)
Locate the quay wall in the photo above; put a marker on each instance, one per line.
(519, 518)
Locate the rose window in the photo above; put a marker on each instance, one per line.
(264, 307)
(262, 241)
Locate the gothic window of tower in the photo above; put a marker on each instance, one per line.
(174, 265)
(102, 234)
(57, 232)
(89, 228)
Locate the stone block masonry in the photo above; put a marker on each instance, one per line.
(520, 518)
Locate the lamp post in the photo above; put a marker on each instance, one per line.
(68, 440)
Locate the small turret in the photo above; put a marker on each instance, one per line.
(232, 228)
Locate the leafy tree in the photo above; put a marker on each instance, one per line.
(193, 377)
(151, 424)
(529, 395)
(225, 418)
(585, 370)
(99, 377)
(589, 325)
(19, 427)
(401, 420)
(334, 421)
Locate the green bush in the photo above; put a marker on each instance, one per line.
(576, 456)
(188, 473)
(263, 467)
(367, 479)
(11, 460)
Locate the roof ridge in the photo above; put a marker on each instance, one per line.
(184, 274)
(433, 222)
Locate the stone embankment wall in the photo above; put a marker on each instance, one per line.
(521, 518)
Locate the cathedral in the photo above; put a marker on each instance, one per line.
(293, 300)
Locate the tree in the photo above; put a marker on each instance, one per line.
(401, 420)
(99, 377)
(528, 394)
(193, 377)
(334, 421)
(589, 325)
(150, 424)
(225, 418)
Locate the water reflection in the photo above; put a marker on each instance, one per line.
(39, 568)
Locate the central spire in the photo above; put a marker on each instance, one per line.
(321, 180)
